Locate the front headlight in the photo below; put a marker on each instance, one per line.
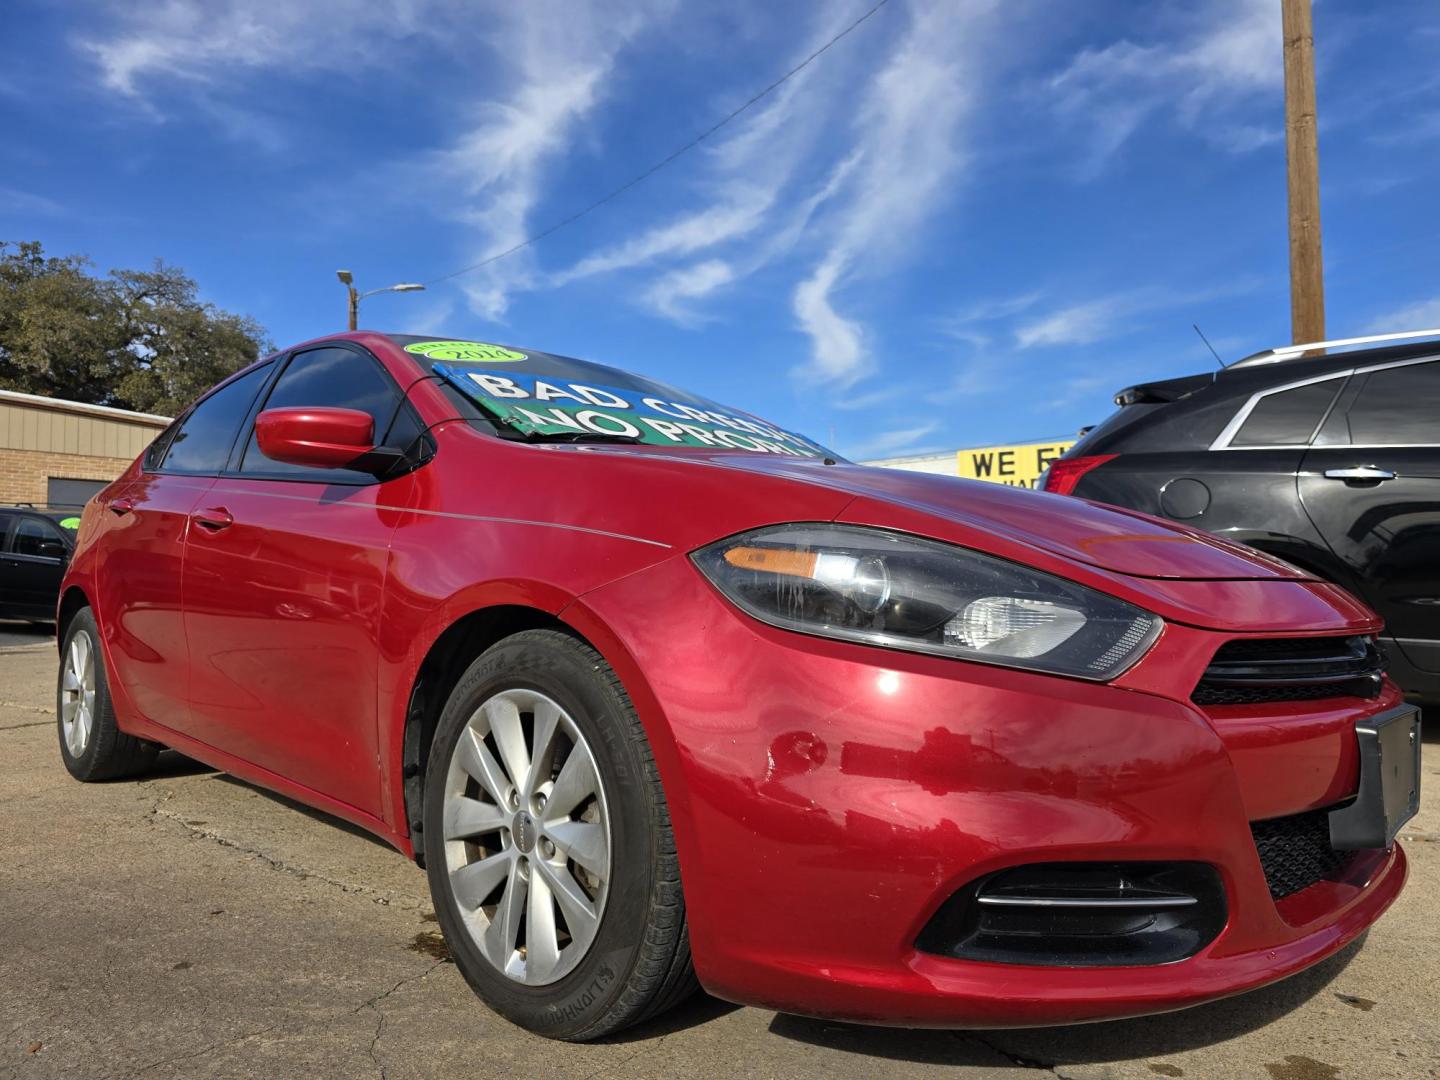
(905, 592)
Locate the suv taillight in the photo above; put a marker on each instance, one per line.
(1063, 475)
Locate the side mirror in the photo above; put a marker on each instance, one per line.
(53, 549)
(318, 438)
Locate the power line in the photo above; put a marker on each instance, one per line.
(653, 169)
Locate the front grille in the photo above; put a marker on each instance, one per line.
(1295, 852)
(1254, 670)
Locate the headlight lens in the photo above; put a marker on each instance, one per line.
(905, 592)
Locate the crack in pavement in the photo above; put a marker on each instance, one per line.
(1014, 1059)
(204, 1050)
(374, 1003)
(158, 811)
(626, 1061)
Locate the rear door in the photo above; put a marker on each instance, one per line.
(284, 575)
(145, 523)
(32, 561)
(1371, 483)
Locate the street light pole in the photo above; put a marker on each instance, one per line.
(348, 280)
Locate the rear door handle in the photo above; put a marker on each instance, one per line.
(1361, 473)
(121, 505)
(213, 518)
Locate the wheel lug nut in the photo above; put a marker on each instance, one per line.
(547, 849)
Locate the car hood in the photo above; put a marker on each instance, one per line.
(964, 511)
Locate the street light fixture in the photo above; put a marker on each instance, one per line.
(348, 280)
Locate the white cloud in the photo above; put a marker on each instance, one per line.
(892, 443)
(1421, 315)
(15, 201)
(1229, 55)
(1078, 324)
(683, 236)
(1118, 313)
(908, 135)
(672, 294)
(207, 42)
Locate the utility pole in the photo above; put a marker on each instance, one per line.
(1302, 159)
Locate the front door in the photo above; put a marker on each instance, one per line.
(284, 576)
(1371, 483)
(146, 521)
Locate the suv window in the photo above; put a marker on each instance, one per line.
(38, 538)
(1397, 406)
(1287, 417)
(202, 442)
(338, 379)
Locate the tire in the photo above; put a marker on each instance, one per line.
(91, 745)
(605, 939)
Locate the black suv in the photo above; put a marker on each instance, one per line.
(35, 547)
(1331, 461)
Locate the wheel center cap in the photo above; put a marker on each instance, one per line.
(524, 832)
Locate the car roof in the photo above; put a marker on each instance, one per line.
(1254, 377)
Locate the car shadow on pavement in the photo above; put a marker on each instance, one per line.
(1080, 1044)
(309, 811)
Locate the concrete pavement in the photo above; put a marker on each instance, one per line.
(188, 925)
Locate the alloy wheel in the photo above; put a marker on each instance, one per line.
(77, 694)
(527, 836)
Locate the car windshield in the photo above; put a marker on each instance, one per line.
(539, 396)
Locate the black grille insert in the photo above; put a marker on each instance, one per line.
(1081, 914)
(1295, 852)
(1254, 670)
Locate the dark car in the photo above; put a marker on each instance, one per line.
(35, 547)
(1331, 461)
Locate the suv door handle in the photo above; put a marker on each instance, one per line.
(213, 518)
(1361, 473)
(121, 505)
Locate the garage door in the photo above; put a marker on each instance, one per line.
(62, 493)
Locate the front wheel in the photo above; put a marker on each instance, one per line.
(548, 844)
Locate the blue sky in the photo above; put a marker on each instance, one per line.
(968, 222)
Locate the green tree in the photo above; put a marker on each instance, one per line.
(135, 339)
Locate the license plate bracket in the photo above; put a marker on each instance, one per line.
(1389, 794)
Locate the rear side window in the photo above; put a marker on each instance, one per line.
(1398, 406)
(1287, 417)
(202, 442)
(338, 379)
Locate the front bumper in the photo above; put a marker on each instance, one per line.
(827, 798)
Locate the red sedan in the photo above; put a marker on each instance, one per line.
(657, 693)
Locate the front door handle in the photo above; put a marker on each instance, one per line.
(213, 518)
(1360, 474)
(121, 505)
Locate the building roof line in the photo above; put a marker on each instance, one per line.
(81, 408)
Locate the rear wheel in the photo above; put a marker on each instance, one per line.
(91, 744)
(548, 843)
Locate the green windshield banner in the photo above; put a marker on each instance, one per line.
(534, 405)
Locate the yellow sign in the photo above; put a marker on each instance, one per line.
(1019, 465)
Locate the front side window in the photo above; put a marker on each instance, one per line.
(203, 441)
(38, 539)
(336, 379)
(1398, 406)
(1287, 417)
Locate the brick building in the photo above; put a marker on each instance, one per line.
(59, 453)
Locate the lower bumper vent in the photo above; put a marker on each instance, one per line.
(1081, 914)
(1295, 852)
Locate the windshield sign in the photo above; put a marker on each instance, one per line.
(545, 405)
